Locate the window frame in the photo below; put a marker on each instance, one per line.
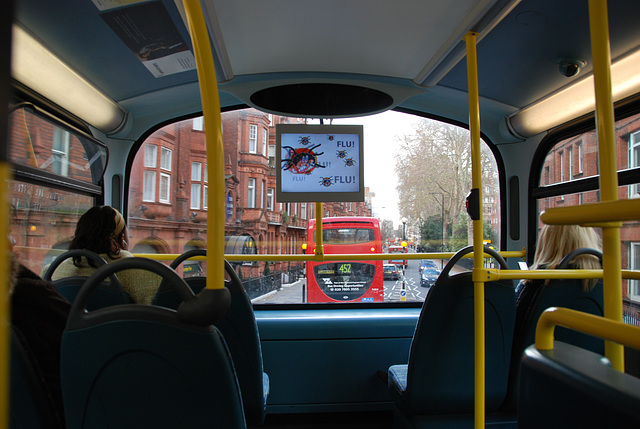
(253, 138)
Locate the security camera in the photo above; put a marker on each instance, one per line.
(570, 67)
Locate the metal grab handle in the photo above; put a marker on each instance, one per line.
(600, 327)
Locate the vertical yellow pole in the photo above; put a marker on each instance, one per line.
(605, 123)
(319, 252)
(478, 247)
(5, 299)
(215, 148)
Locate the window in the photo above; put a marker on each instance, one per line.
(196, 171)
(165, 159)
(270, 199)
(250, 189)
(561, 166)
(570, 156)
(251, 194)
(195, 195)
(634, 285)
(150, 155)
(165, 187)
(265, 140)
(579, 145)
(198, 124)
(634, 159)
(196, 188)
(253, 138)
(149, 186)
(586, 192)
(205, 198)
(60, 151)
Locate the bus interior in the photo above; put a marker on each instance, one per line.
(547, 92)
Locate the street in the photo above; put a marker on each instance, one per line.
(410, 284)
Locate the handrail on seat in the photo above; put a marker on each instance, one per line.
(601, 327)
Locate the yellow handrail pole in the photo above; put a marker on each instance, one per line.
(319, 252)
(611, 258)
(5, 299)
(478, 245)
(215, 149)
(600, 327)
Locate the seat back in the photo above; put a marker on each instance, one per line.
(572, 387)
(566, 293)
(240, 331)
(440, 375)
(139, 366)
(31, 404)
(107, 293)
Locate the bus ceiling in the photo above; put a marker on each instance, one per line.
(409, 55)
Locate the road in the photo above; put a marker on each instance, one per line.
(410, 283)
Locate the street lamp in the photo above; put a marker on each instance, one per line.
(441, 222)
(404, 228)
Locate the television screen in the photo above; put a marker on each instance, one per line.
(319, 163)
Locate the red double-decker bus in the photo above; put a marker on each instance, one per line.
(343, 281)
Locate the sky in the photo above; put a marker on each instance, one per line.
(380, 147)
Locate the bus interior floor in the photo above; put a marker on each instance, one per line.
(343, 420)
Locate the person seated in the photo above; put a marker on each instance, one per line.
(554, 243)
(40, 315)
(102, 230)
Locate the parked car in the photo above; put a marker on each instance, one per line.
(429, 276)
(426, 263)
(390, 272)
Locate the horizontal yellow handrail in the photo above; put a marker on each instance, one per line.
(331, 257)
(602, 212)
(494, 274)
(600, 327)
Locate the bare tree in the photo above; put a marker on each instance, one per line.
(433, 165)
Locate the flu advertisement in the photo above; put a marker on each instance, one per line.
(320, 162)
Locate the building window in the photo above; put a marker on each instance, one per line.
(205, 197)
(634, 159)
(149, 186)
(60, 151)
(570, 156)
(165, 187)
(303, 211)
(262, 195)
(150, 155)
(253, 138)
(562, 166)
(196, 171)
(272, 155)
(165, 159)
(265, 140)
(251, 194)
(634, 285)
(196, 188)
(195, 195)
(198, 124)
(580, 154)
(270, 199)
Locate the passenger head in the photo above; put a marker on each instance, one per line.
(556, 241)
(101, 229)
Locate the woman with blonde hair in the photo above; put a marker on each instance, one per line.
(102, 230)
(557, 241)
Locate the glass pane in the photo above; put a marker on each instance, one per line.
(397, 147)
(584, 150)
(35, 141)
(44, 221)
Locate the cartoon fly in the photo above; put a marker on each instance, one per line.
(301, 160)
